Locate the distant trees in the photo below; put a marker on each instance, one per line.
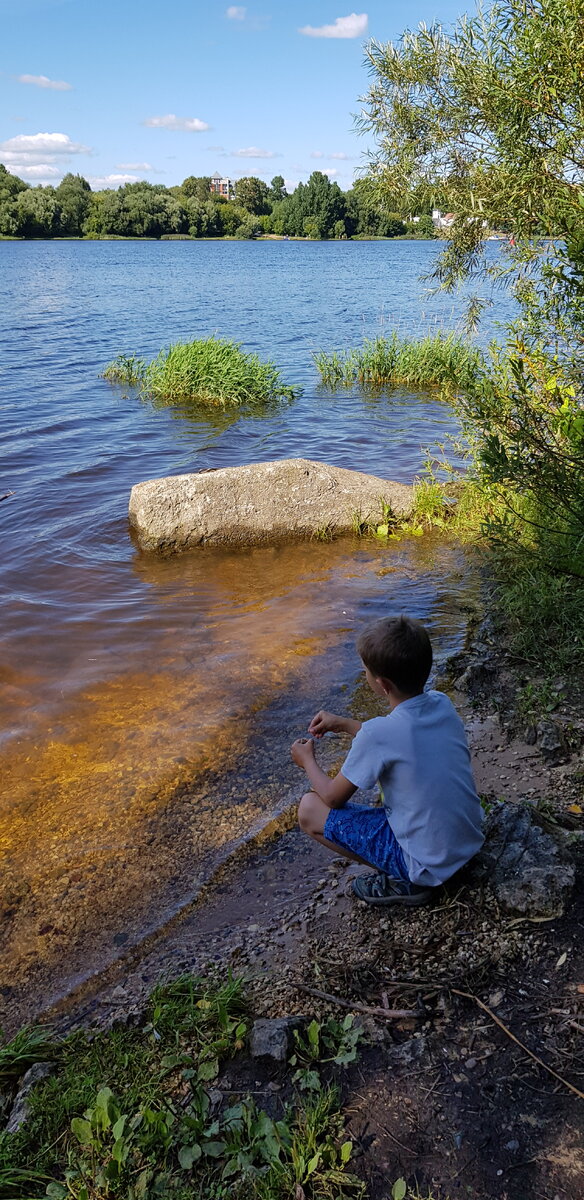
(253, 194)
(316, 209)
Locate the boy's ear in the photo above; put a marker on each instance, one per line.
(388, 687)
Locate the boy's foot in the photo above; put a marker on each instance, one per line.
(382, 889)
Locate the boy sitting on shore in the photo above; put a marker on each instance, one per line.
(430, 823)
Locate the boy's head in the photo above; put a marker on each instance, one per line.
(397, 649)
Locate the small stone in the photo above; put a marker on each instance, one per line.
(19, 1112)
(119, 995)
(470, 1063)
(271, 1038)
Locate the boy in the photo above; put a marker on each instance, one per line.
(430, 823)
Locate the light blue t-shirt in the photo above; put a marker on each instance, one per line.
(419, 756)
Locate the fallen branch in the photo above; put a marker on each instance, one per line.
(6, 495)
(387, 1013)
(535, 1057)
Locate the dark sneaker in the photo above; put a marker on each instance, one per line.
(382, 889)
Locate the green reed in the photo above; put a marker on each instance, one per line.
(126, 368)
(208, 371)
(439, 360)
(213, 371)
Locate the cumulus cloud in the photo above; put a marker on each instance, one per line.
(36, 171)
(255, 152)
(170, 121)
(39, 155)
(330, 171)
(353, 26)
(338, 155)
(236, 12)
(106, 181)
(42, 81)
(58, 145)
(134, 166)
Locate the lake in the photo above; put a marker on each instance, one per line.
(129, 683)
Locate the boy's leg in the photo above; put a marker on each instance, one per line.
(312, 815)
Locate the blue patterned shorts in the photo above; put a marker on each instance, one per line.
(367, 832)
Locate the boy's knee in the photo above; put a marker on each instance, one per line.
(308, 817)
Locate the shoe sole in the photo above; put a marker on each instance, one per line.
(394, 901)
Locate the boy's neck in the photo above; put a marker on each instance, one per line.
(394, 697)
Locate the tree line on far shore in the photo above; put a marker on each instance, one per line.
(316, 209)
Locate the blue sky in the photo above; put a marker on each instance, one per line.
(119, 90)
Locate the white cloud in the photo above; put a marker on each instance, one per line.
(170, 121)
(36, 172)
(105, 181)
(236, 12)
(330, 171)
(337, 155)
(134, 166)
(255, 152)
(42, 81)
(353, 26)
(57, 145)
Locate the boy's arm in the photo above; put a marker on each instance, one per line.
(335, 792)
(327, 722)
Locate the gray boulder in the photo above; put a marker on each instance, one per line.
(291, 498)
(529, 872)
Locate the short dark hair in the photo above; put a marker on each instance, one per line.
(398, 649)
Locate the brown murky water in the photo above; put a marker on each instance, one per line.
(138, 786)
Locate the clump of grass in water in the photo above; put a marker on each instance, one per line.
(215, 372)
(434, 361)
(126, 368)
(208, 371)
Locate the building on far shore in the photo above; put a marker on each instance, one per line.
(442, 220)
(221, 186)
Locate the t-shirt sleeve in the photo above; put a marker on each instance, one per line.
(369, 755)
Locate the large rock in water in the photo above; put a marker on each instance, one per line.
(259, 503)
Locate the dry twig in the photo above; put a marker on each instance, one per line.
(535, 1057)
(370, 1011)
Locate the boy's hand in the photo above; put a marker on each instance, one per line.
(323, 722)
(302, 751)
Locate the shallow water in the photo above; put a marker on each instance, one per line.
(126, 679)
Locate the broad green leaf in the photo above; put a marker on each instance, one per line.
(82, 1131)
(312, 1164)
(208, 1070)
(399, 1190)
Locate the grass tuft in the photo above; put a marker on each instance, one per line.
(32, 1045)
(126, 368)
(440, 360)
(208, 371)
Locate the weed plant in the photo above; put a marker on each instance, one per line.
(131, 1114)
(439, 360)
